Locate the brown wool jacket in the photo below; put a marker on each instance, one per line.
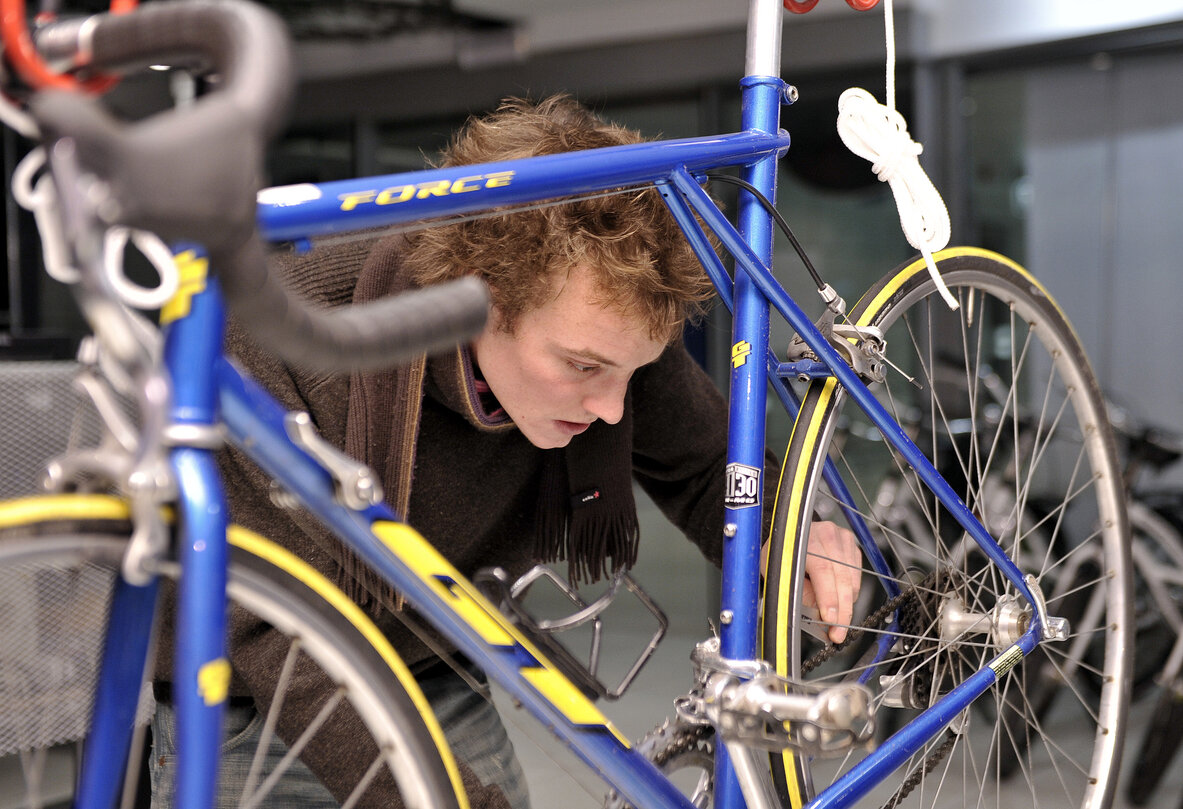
(475, 487)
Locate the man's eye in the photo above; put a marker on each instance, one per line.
(581, 368)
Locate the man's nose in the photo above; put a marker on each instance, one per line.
(607, 401)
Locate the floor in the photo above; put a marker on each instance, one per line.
(675, 575)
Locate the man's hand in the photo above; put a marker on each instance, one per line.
(833, 569)
(833, 575)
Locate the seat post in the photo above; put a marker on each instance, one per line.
(764, 38)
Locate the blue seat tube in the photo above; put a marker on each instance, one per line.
(201, 670)
(744, 499)
(748, 394)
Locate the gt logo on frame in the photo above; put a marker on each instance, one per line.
(743, 486)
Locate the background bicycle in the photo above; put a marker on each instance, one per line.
(1158, 552)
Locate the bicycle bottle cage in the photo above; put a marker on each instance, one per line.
(545, 633)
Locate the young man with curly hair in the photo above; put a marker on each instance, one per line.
(523, 446)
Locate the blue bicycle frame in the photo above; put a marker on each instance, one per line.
(209, 392)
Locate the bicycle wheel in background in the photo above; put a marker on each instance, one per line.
(1020, 414)
(1158, 748)
(1157, 548)
(56, 576)
(1157, 562)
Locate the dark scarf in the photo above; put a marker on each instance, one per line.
(586, 515)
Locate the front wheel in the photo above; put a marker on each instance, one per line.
(999, 396)
(56, 579)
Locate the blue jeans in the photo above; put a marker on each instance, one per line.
(470, 722)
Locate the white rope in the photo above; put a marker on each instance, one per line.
(879, 134)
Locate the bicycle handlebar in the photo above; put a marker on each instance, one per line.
(192, 173)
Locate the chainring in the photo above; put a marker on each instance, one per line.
(675, 747)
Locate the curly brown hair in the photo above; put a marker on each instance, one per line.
(643, 264)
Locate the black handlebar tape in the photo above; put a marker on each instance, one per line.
(192, 173)
(369, 336)
(246, 45)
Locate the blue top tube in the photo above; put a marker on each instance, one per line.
(290, 213)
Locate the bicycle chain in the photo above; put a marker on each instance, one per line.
(683, 740)
(913, 780)
(667, 742)
(912, 611)
(874, 620)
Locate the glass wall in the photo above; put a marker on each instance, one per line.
(1075, 172)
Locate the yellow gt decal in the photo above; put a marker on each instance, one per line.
(213, 681)
(740, 352)
(192, 273)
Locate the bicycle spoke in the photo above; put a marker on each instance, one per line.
(292, 755)
(364, 784)
(269, 723)
(1002, 406)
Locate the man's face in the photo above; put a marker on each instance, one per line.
(566, 364)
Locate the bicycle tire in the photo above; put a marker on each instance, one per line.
(322, 627)
(1005, 317)
(1159, 745)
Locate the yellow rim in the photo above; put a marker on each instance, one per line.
(62, 507)
(788, 555)
(903, 276)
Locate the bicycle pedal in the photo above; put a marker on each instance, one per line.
(748, 703)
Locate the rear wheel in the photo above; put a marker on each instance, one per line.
(999, 396)
(58, 576)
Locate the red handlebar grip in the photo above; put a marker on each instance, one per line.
(14, 30)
